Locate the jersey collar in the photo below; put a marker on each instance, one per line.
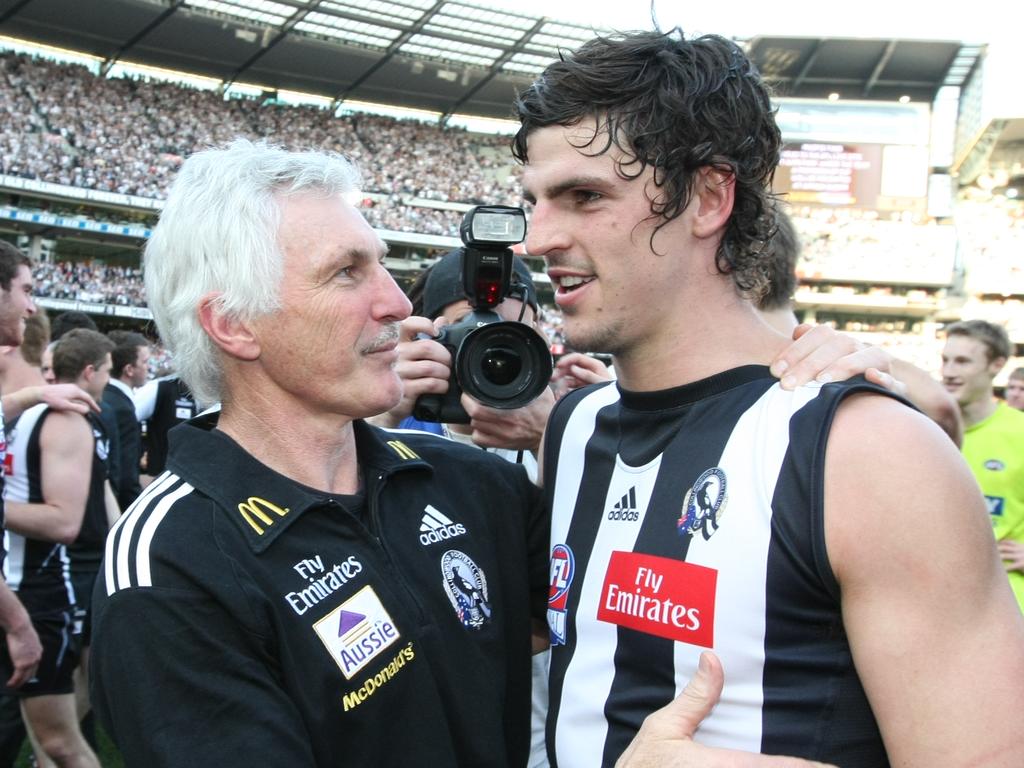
(261, 502)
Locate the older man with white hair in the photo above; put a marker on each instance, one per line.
(272, 598)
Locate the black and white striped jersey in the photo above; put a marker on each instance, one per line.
(691, 519)
(37, 570)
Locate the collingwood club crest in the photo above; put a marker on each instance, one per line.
(466, 586)
(704, 504)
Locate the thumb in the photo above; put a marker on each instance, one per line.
(413, 326)
(682, 717)
(883, 379)
(801, 329)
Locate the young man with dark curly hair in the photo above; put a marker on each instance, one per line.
(705, 518)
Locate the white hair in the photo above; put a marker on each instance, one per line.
(218, 233)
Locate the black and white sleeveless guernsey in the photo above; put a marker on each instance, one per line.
(38, 570)
(691, 519)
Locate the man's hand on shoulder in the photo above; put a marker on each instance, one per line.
(68, 397)
(61, 397)
(820, 353)
(666, 738)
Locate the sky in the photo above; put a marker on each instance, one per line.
(985, 22)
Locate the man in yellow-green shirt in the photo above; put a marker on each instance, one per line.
(974, 353)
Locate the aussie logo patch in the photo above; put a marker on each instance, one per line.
(357, 631)
(704, 505)
(466, 585)
(563, 566)
(660, 596)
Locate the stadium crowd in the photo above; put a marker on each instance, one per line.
(63, 124)
(99, 283)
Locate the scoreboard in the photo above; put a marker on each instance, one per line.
(861, 155)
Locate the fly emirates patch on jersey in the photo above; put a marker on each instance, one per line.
(659, 596)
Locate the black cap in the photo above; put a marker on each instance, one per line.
(444, 283)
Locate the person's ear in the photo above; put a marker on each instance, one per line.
(230, 334)
(714, 192)
(996, 366)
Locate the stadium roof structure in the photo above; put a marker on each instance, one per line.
(862, 69)
(444, 56)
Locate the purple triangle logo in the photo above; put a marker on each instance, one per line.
(348, 620)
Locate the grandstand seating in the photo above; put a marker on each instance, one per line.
(62, 124)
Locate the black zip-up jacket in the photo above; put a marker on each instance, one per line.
(242, 619)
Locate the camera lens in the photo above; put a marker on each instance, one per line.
(503, 364)
(500, 365)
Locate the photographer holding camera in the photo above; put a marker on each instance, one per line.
(482, 342)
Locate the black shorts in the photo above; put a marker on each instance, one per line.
(83, 582)
(60, 656)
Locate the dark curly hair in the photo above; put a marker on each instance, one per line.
(782, 280)
(678, 106)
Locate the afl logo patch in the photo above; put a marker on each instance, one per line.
(994, 465)
(704, 504)
(466, 586)
(563, 566)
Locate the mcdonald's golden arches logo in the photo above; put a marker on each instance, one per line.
(402, 449)
(256, 509)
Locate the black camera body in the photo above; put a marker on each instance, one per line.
(501, 363)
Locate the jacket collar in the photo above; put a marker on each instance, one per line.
(262, 502)
(121, 387)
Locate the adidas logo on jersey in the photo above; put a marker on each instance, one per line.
(625, 509)
(436, 527)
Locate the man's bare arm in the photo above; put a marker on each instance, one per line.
(62, 397)
(66, 446)
(113, 510)
(930, 397)
(937, 637)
